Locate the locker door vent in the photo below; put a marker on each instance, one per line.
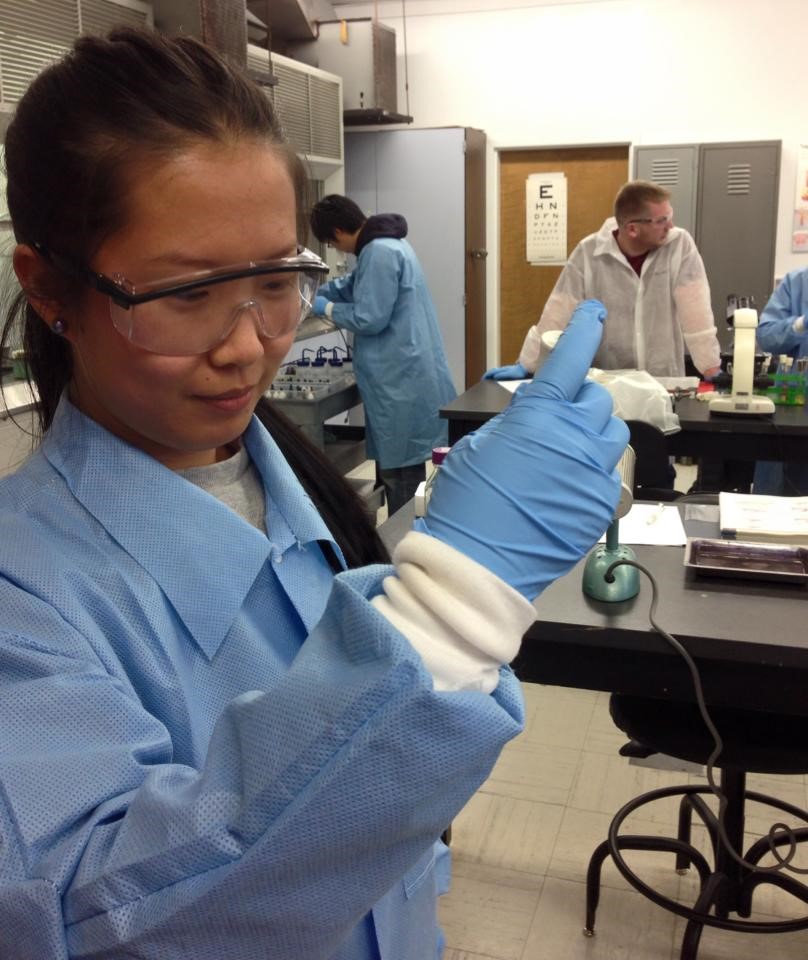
(739, 178)
(665, 171)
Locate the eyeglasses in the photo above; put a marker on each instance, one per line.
(656, 221)
(190, 314)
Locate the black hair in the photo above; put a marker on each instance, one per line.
(80, 132)
(82, 129)
(333, 213)
(343, 511)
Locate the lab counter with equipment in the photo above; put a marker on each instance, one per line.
(782, 435)
(746, 633)
(317, 386)
(311, 393)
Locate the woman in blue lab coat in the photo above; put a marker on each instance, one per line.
(211, 744)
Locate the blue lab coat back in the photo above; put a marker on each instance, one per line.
(400, 364)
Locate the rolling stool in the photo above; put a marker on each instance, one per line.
(753, 742)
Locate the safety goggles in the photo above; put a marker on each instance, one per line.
(192, 313)
(656, 221)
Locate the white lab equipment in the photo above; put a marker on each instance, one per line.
(742, 401)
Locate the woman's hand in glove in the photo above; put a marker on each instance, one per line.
(533, 489)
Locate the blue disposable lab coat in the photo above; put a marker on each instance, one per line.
(775, 334)
(399, 361)
(211, 747)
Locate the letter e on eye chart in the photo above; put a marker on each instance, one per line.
(546, 218)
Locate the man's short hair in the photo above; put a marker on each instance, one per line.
(332, 213)
(633, 198)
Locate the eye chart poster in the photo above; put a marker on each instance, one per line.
(546, 218)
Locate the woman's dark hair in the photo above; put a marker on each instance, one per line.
(340, 507)
(79, 135)
(333, 213)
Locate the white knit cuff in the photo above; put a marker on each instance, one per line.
(799, 325)
(329, 308)
(462, 619)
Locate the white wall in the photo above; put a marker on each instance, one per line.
(532, 73)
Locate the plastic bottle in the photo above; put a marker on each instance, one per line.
(425, 486)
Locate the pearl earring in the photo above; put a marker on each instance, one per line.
(59, 327)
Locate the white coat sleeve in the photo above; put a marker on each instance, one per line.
(691, 294)
(463, 620)
(565, 296)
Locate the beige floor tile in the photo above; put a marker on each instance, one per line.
(507, 833)
(769, 900)
(534, 771)
(728, 945)
(602, 736)
(463, 955)
(791, 790)
(629, 927)
(582, 831)
(604, 783)
(557, 716)
(759, 818)
(488, 912)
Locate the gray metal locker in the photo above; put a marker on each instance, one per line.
(676, 168)
(737, 222)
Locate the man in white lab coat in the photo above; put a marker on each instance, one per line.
(650, 276)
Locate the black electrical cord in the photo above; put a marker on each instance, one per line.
(783, 863)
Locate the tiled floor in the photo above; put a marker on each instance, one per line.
(522, 844)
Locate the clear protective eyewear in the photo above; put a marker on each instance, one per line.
(190, 314)
(656, 221)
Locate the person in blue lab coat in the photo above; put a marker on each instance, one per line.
(225, 729)
(401, 368)
(782, 329)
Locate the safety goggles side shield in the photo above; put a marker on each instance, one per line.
(190, 314)
(656, 221)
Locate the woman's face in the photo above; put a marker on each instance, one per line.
(213, 205)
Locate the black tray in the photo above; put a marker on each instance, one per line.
(746, 559)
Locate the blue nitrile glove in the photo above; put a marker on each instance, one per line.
(514, 372)
(531, 491)
(319, 306)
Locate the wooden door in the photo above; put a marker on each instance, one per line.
(475, 255)
(594, 175)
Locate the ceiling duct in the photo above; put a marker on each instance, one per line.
(309, 104)
(290, 20)
(363, 52)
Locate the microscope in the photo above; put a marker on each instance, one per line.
(742, 401)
